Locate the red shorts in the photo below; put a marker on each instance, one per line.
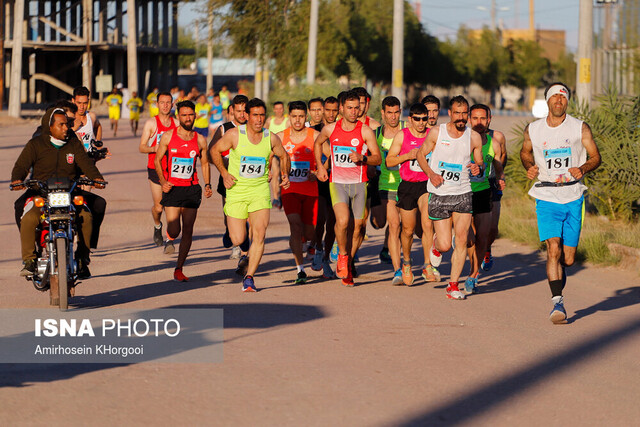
(305, 206)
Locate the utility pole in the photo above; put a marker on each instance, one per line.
(493, 15)
(257, 82)
(87, 60)
(132, 53)
(585, 47)
(313, 43)
(196, 37)
(210, 49)
(397, 61)
(16, 59)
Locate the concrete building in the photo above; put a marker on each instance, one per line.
(79, 42)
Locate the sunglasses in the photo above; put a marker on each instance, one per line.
(420, 119)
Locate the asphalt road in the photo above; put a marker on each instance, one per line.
(322, 354)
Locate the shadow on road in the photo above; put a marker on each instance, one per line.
(260, 316)
(482, 399)
(622, 298)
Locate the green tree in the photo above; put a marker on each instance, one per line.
(527, 65)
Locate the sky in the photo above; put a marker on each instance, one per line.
(443, 18)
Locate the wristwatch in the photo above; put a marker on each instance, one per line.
(364, 159)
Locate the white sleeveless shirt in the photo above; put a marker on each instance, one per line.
(555, 150)
(449, 159)
(85, 132)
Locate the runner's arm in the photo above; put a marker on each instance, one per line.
(476, 154)
(502, 141)
(148, 131)
(427, 147)
(283, 156)
(370, 139)
(160, 152)
(204, 163)
(318, 147)
(97, 126)
(394, 158)
(223, 144)
(593, 154)
(526, 155)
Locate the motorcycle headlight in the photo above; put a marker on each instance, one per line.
(59, 200)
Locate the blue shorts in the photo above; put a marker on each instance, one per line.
(202, 131)
(560, 220)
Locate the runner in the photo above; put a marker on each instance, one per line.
(496, 195)
(387, 212)
(316, 114)
(181, 192)
(203, 108)
(300, 200)
(326, 216)
(349, 139)
(134, 105)
(152, 102)
(412, 196)
(87, 126)
(279, 121)
(239, 117)
(365, 101)
(225, 97)
(451, 146)
(114, 100)
(250, 146)
(152, 132)
(216, 116)
(559, 151)
(482, 193)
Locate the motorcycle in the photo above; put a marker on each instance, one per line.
(56, 267)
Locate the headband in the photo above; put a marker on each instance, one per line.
(557, 89)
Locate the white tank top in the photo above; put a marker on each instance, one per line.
(555, 150)
(85, 132)
(449, 159)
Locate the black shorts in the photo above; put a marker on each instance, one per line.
(496, 193)
(441, 207)
(481, 201)
(153, 176)
(409, 193)
(372, 192)
(222, 190)
(389, 195)
(183, 197)
(323, 190)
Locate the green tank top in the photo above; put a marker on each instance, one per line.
(274, 128)
(389, 177)
(249, 164)
(479, 183)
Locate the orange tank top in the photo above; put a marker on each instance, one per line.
(302, 163)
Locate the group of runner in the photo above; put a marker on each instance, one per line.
(332, 167)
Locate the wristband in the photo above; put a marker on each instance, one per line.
(364, 159)
(207, 185)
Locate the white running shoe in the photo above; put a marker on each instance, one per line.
(435, 257)
(235, 252)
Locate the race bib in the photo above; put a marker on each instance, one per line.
(414, 166)
(134, 108)
(114, 102)
(450, 172)
(182, 167)
(558, 160)
(217, 116)
(252, 167)
(341, 157)
(299, 171)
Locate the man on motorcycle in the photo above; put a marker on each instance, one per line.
(53, 154)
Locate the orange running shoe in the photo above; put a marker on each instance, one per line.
(178, 276)
(348, 281)
(342, 268)
(407, 274)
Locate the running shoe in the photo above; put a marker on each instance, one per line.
(453, 292)
(348, 281)
(327, 272)
(434, 256)
(407, 274)
(558, 315)
(342, 269)
(471, 285)
(316, 264)
(226, 240)
(397, 278)
(302, 278)
(243, 263)
(178, 276)
(311, 252)
(487, 262)
(248, 284)
(236, 253)
(430, 274)
(385, 257)
(157, 235)
(83, 269)
(169, 247)
(334, 252)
